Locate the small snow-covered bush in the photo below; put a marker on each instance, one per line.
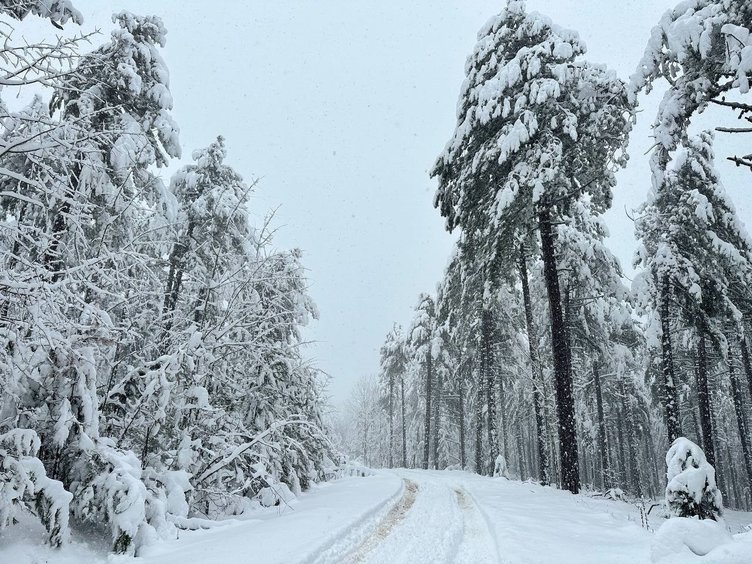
(617, 494)
(110, 487)
(24, 484)
(500, 467)
(691, 489)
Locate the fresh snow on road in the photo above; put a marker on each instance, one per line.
(402, 516)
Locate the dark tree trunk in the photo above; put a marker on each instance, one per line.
(632, 447)
(532, 342)
(479, 424)
(623, 471)
(602, 446)
(746, 363)
(703, 397)
(741, 421)
(670, 399)
(404, 428)
(429, 393)
(568, 454)
(175, 274)
(52, 260)
(520, 452)
(488, 380)
(461, 402)
(502, 414)
(437, 419)
(391, 419)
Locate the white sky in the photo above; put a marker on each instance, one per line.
(341, 106)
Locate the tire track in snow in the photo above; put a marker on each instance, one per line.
(333, 550)
(430, 532)
(478, 545)
(392, 519)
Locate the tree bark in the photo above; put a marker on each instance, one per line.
(602, 446)
(427, 423)
(479, 424)
(532, 342)
(461, 394)
(437, 419)
(569, 462)
(52, 260)
(404, 428)
(391, 419)
(746, 363)
(670, 399)
(488, 380)
(703, 396)
(741, 421)
(631, 439)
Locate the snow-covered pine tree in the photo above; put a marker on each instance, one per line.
(701, 48)
(691, 490)
(425, 349)
(529, 141)
(59, 12)
(392, 373)
(694, 245)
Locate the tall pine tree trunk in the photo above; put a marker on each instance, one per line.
(743, 345)
(461, 414)
(568, 454)
(391, 419)
(631, 439)
(488, 380)
(404, 426)
(741, 421)
(427, 423)
(479, 423)
(670, 398)
(532, 343)
(703, 396)
(502, 414)
(623, 471)
(602, 446)
(437, 419)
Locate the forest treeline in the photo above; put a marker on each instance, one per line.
(533, 358)
(151, 366)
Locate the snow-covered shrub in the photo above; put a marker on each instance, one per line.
(24, 484)
(500, 467)
(691, 489)
(617, 494)
(110, 487)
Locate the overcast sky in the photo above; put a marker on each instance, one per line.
(340, 107)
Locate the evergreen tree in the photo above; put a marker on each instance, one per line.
(529, 143)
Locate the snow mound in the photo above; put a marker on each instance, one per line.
(683, 538)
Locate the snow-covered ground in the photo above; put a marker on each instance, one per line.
(406, 516)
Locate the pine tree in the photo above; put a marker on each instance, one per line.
(424, 349)
(529, 142)
(694, 248)
(393, 365)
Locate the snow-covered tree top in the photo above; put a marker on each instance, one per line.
(691, 233)
(531, 126)
(513, 47)
(58, 12)
(125, 86)
(703, 48)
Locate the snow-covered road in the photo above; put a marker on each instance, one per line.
(398, 517)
